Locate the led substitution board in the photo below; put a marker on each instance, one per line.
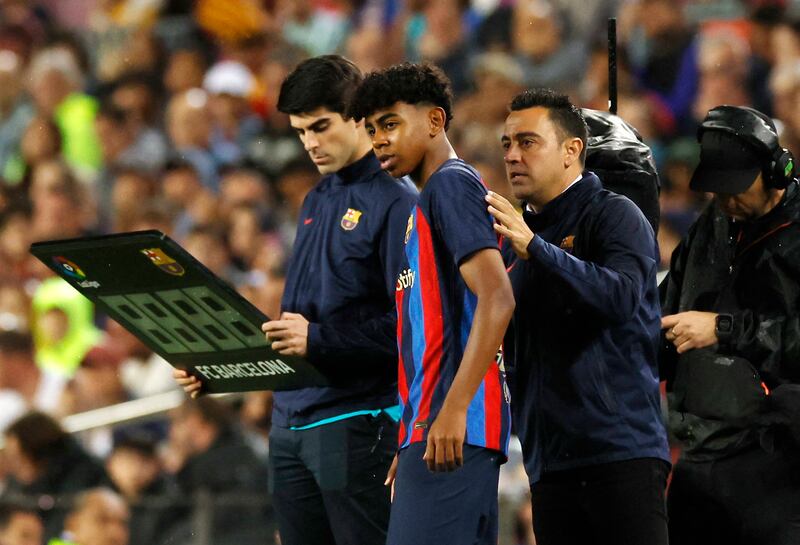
(177, 307)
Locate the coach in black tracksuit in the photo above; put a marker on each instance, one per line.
(331, 448)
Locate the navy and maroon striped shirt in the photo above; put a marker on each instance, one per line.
(435, 309)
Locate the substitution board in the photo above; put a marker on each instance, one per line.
(178, 308)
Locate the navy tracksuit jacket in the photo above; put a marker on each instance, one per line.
(581, 351)
(341, 278)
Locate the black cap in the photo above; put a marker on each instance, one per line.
(727, 164)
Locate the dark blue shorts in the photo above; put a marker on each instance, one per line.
(459, 507)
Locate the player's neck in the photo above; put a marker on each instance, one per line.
(363, 147)
(440, 150)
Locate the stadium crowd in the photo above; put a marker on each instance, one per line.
(123, 115)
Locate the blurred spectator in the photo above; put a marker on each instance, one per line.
(99, 517)
(125, 149)
(156, 215)
(16, 235)
(542, 43)
(142, 372)
(785, 87)
(56, 84)
(95, 384)
(130, 188)
(318, 29)
(137, 94)
(30, 17)
(723, 60)
(16, 112)
(145, 54)
(46, 466)
(59, 203)
(440, 33)
(785, 41)
(41, 142)
(294, 183)
(124, 144)
(184, 71)
(244, 187)
(229, 85)
(14, 307)
(231, 20)
(207, 245)
(213, 457)
(245, 238)
(23, 386)
(20, 526)
(256, 415)
(662, 50)
(189, 128)
(63, 328)
(763, 20)
(680, 206)
(112, 24)
(135, 471)
(268, 279)
(193, 204)
(481, 114)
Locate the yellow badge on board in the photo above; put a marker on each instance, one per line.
(164, 262)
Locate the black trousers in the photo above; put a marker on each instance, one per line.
(751, 498)
(327, 482)
(619, 503)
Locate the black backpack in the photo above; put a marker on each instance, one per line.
(624, 164)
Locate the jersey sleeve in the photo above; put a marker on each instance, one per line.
(459, 213)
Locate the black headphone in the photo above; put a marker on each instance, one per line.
(757, 130)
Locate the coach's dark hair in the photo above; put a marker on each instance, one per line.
(567, 117)
(410, 83)
(327, 82)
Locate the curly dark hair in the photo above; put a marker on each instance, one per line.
(407, 82)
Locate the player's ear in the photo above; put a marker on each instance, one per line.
(436, 121)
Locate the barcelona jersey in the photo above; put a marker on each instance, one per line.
(435, 309)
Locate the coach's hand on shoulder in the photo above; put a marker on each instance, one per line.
(445, 449)
(689, 330)
(509, 223)
(289, 335)
(190, 384)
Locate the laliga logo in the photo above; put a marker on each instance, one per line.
(73, 271)
(70, 269)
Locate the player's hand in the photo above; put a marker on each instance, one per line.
(390, 476)
(509, 223)
(289, 335)
(445, 449)
(690, 330)
(190, 384)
